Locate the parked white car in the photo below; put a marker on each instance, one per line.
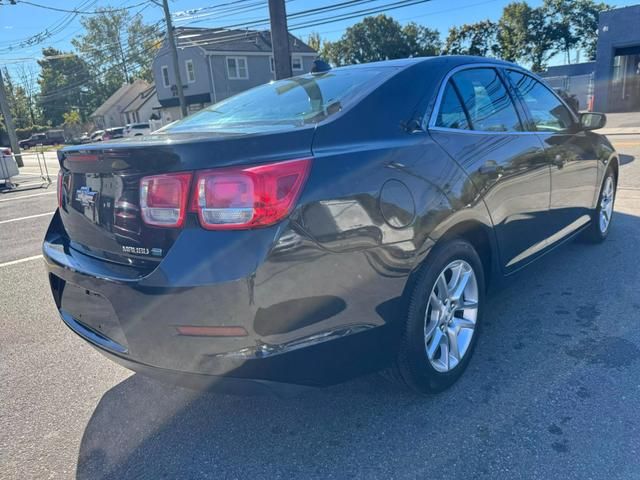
(137, 129)
(97, 136)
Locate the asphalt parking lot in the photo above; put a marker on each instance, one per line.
(553, 390)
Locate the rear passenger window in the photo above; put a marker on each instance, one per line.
(486, 101)
(451, 114)
(548, 113)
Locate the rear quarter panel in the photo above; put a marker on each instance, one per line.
(378, 198)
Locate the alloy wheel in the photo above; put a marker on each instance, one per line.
(606, 204)
(450, 316)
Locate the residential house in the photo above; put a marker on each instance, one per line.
(111, 113)
(143, 107)
(217, 63)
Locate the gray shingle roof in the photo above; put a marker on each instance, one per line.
(125, 90)
(140, 99)
(219, 39)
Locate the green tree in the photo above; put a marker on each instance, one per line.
(72, 124)
(18, 101)
(542, 40)
(478, 38)
(314, 41)
(117, 48)
(27, 77)
(65, 82)
(586, 25)
(71, 118)
(381, 38)
(513, 33)
(528, 35)
(422, 41)
(575, 23)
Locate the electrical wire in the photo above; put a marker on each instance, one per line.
(76, 11)
(303, 25)
(53, 95)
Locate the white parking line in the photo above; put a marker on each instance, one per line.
(26, 196)
(22, 260)
(27, 217)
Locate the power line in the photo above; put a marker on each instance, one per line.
(301, 13)
(77, 10)
(53, 95)
(177, 15)
(44, 35)
(223, 12)
(315, 22)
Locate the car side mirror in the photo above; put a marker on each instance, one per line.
(592, 121)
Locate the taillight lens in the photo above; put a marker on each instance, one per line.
(164, 198)
(245, 197)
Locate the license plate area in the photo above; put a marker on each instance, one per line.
(91, 310)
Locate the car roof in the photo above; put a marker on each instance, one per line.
(445, 61)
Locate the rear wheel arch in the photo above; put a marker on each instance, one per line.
(614, 164)
(479, 236)
(474, 232)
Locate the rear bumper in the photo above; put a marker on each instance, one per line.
(198, 381)
(302, 327)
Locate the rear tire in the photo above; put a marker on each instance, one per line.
(444, 315)
(602, 215)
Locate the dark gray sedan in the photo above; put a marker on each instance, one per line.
(324, 226)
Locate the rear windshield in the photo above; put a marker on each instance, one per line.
(296, 101)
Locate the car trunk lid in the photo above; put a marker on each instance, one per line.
(100, 204)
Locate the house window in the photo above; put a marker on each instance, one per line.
(296, 64)
(237, 68)
(165, 76)
(191, 72)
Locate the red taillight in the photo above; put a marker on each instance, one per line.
(246, 197)
(5, 151)
(164, 198)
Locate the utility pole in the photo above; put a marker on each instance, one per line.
(280, 39)
(174, 57)
(8, 122)
(124, 62)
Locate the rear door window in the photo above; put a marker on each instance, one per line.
(451, 113)
(547, 111)
(486, 100)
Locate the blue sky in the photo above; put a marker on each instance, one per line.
(21, 21)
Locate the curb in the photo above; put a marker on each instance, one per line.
(619, 131)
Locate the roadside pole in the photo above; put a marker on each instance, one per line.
(174, 57)
(280, 39)
(8, 123)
